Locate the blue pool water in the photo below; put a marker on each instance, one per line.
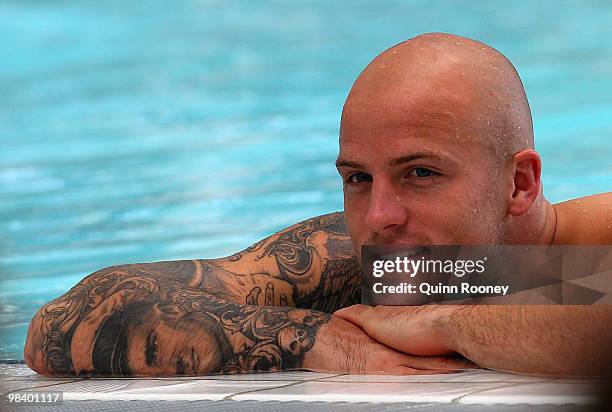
(135, 131)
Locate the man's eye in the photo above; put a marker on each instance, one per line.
(422, 172)
(359, 178)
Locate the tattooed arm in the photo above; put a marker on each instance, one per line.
(217, 316)
(310, 265)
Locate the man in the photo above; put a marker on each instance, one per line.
(436, 147)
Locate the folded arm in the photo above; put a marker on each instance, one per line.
(542, 340)
(263, 309)
(124, 323)
(201, 316)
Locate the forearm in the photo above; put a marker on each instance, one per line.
(310, 265)
(547, 340)
(117, 325)
(126, 322)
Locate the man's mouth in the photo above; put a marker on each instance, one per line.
(401, 251)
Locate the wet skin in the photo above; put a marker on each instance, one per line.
(436, 147)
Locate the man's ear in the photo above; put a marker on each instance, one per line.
(526, 166)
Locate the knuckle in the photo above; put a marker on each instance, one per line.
(447, 363)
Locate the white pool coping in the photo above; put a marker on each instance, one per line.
(475, 387)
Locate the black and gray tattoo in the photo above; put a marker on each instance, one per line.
(258, 310)
(317, 259)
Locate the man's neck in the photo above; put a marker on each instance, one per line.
(538, 226)
(550, 224)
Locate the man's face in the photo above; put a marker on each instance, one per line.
(171, 344)
(418, 171)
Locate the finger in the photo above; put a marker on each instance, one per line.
(438, 363)
(374, 321)
(359, 310)
(407, 329)
(354, 314)
(412, 371)
(366, 317)
(406, 370)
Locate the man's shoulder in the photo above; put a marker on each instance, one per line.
(586, 220)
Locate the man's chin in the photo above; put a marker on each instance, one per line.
(412, 240)
(393, 250)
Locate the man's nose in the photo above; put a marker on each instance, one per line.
(386, 210)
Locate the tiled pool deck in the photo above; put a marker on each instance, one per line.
(475, 388)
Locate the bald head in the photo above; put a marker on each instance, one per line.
(464, 88)
(436, 147)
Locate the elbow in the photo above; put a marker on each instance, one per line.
(48, 347)
(33, 352)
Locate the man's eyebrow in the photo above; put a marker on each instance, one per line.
(348, 163)
(409, 158)
(394, 162)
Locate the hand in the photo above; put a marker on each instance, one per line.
(409, 329)
(342, 347)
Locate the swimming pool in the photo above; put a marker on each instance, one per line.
(132, 131)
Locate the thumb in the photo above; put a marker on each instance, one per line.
(378, 323)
